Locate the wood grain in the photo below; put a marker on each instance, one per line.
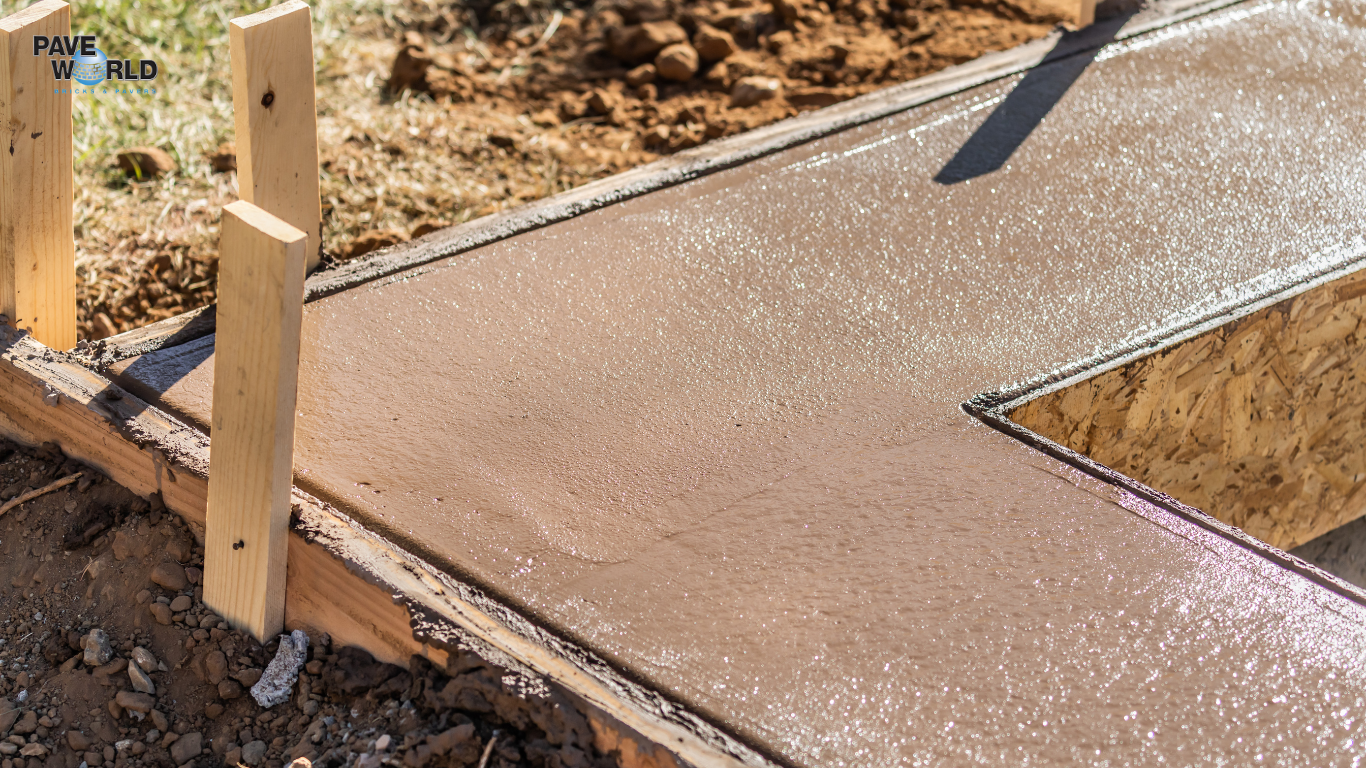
(1258, 422)
(37, 244)
(276, 118)
(251, 458)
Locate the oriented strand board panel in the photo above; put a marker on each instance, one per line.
(715, 433)
(37, 247)
(1259, 423)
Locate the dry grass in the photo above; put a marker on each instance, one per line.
(146, 250)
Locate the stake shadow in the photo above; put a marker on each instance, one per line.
(1011, 123)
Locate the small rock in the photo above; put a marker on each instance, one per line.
(181, 603)
(215, 667)
(161, 612)
(749, 91)
(645, 73)
(102, 674)
(641, 42)
(232, 757)
(213, 710)
(170, 576)
(27, 724)
(254, 753)
(146, 162)
(78, 741)
(713, 44)
(187, 747)
(141, 682)
(33, 750)
(195, 575)
(677, 62)
(144, 597)
(160, 721)
(410, 66)
(224, 158)
(248, 676)
(229, 690)
(97, 650)
(122, 546)
(275, 683)
(137, 702)
(383, 742)
(144, 658)
(115, 711)
(426, 227)
(9, 715)
(460, 742)
(179, 548)
(371, 241)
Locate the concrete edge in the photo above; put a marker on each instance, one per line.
(344, 579)
(992, 408)
(674, 169)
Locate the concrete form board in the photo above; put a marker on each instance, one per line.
(714, 432)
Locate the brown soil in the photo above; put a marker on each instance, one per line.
(1257, 422)
(84, 558)
(439, 113)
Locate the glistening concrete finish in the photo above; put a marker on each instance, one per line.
(714, 432)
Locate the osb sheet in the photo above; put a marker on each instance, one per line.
(1259, 422)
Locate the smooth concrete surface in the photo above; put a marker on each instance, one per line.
(714, 432)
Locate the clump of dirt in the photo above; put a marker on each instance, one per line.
(675, 74)
(109, 659)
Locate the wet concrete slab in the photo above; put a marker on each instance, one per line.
(714, 433)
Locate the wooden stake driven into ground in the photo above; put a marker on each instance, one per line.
(37, 245)
(251, 454)
(276, 118)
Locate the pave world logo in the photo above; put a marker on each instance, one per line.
(75, 58)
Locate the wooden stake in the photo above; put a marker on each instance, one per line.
(251, 451)
(1086, 13)
(277, 123)
(37, 245)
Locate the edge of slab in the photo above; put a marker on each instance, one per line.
(343, 579)
(675, 169)
(1267, 290)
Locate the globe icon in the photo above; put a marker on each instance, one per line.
(89, 70)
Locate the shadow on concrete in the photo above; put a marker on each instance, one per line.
(1042, 87)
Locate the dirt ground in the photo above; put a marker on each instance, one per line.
(433, 113)
(172, 685)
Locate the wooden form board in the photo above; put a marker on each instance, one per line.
(1257, 422)
(276, 118)
(256, 381)
(37, 244)
(343, 581)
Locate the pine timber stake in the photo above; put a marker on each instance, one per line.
(251, 449)
(37, 243)
(276, 116)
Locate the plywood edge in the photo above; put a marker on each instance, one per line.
(344, 580)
